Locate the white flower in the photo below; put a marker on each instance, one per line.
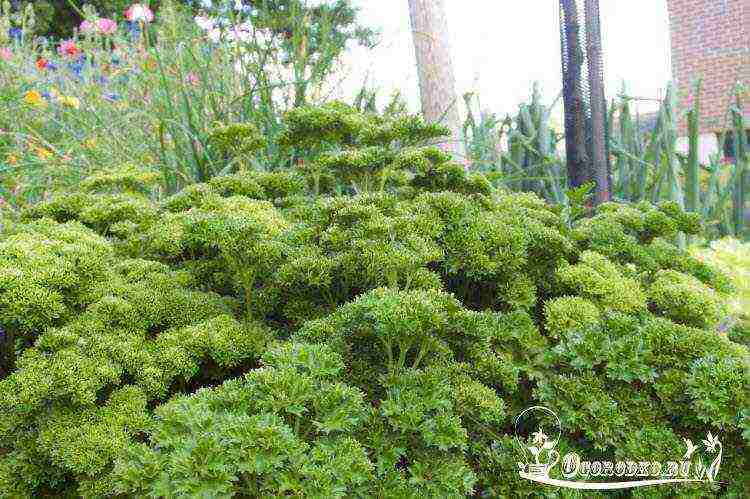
(262, 38)
(214, 35)
(241, 63)
(316, 3)
(241, 32)
(238, 5)
(139, 12)
(204, 23)
(243, 66)
(207, 4)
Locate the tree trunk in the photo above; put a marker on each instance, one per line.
(437, 82)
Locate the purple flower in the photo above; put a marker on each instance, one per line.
(15, 33)
(86, 26)
(77, 66)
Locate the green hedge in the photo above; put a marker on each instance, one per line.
(368, 324)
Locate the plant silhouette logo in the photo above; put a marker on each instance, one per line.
(538, 431)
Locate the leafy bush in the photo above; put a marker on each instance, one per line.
(266, 334)
(283, 428)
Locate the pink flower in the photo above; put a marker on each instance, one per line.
(106, 26)
(86, 27)
(5, 53)
(68, 48)
(192, 79)
(139, 12)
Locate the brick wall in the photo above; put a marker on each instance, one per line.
(710, 39)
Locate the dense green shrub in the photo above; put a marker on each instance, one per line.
(48, 272)
(284, 428)
(252, 336)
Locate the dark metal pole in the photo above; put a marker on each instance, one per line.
(573, 96)
(600, 167)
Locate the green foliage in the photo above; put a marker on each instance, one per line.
(250, 336)
(650, 165)
(733, 258)
(523, 152)
(101, 212)
(127, 179)
(684, 299)
(58, 19)
(366, 151)
(236, 139)
(598, 279)
(569, 313)
(281, 429)
(47, 275)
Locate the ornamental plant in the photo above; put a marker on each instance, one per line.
(60, 19)
(157, 88)
(269, 333)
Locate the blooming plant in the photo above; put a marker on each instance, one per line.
(132, 81)
(68, 49)
(139, 13)
(33, 97)
(102, 26)
(86, 26)
(106, 26)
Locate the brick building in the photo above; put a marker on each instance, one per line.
(710, 39)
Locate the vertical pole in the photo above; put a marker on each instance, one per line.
(575, 106)
(692, 177)
(437, 83)
(599, 158)
(740, 166)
